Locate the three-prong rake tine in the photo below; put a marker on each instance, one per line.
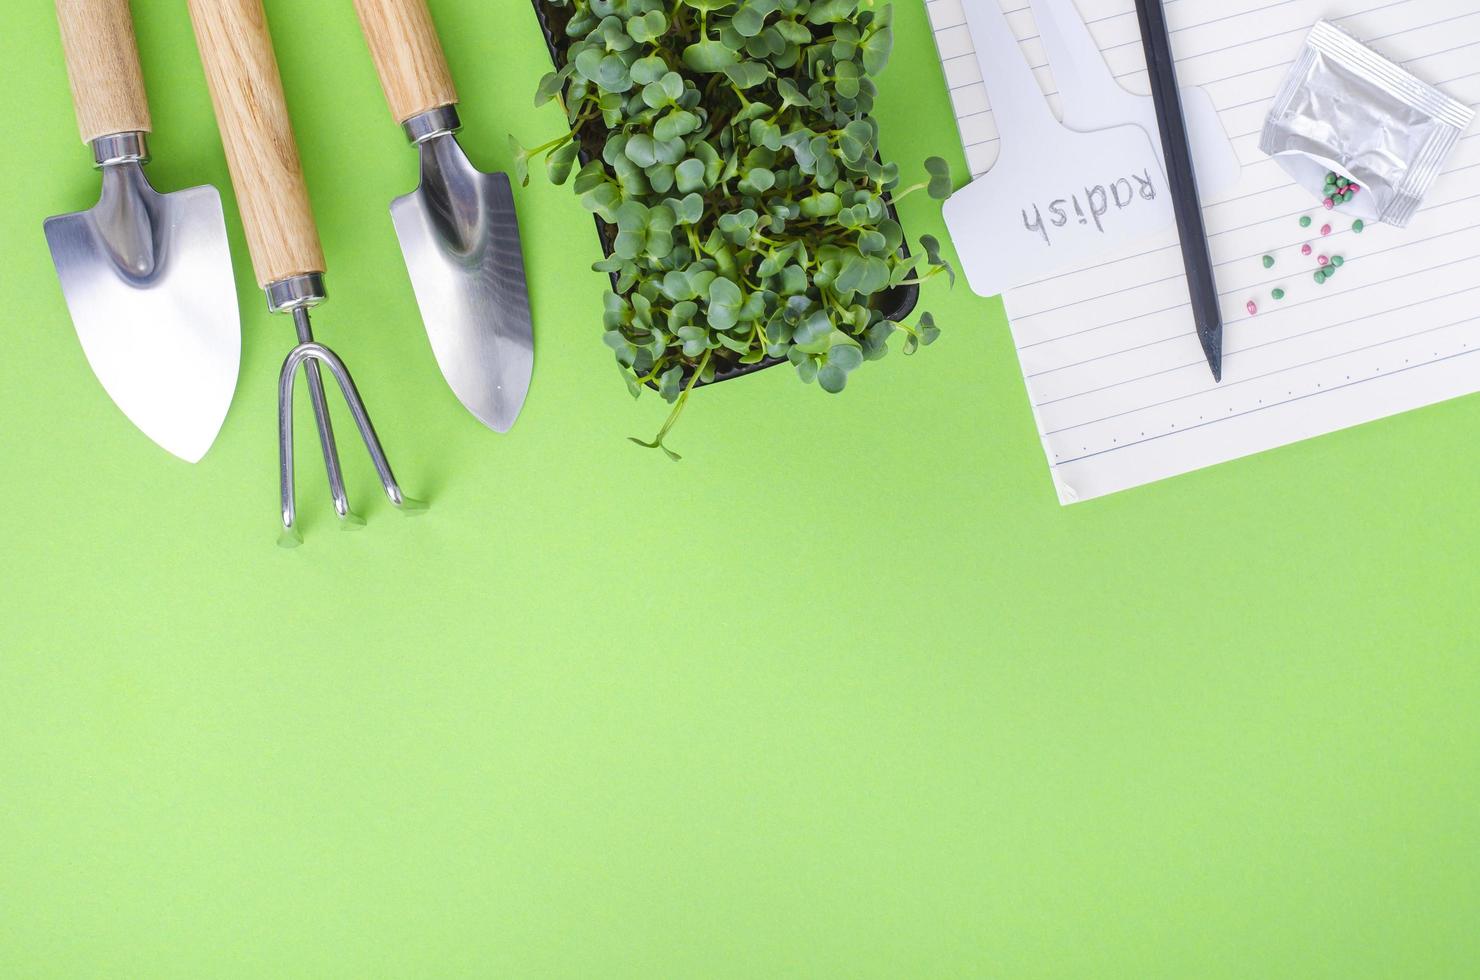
(309, 354)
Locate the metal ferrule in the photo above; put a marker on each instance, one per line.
(120, 148)
(434, 122)
(295, 292)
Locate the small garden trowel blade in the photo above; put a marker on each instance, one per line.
(460, 238)
(147, 279)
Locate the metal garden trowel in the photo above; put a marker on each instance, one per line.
(147, 276)
(458, 230)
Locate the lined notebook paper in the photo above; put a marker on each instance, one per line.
(1120, 389)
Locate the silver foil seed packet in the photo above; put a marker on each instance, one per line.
(1346, 108)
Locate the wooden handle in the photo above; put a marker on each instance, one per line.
(247, 91)
(103, 67)
(403, 42)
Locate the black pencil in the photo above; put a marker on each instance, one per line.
(1182, 181)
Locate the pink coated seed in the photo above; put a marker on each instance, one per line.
(1251, 308)
(1323, 260)
(1325, 229)
(1329, 204)
(1305, 249)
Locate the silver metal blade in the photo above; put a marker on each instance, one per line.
(147, 279)
(460, 238)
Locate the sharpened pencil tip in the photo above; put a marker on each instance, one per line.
(1212, 345)
(1215, 362)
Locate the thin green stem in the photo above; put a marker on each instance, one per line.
(678, 408)
(917, 280)
(898, 196)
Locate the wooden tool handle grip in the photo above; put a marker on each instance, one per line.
(242, 73)
(403, 42)
(103, 67)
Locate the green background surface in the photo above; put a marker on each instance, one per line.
(844, 693)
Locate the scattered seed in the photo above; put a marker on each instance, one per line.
(1278, 294)
(1325, 230)
(1306, 249)
(1358, 226)
(1322, 260)
(1337, 260)
(1320, 277)
(1269, 262)
(1328, 204)
(1251, 307)
(1305, 221)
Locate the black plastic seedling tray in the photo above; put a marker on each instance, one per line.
(895, 303)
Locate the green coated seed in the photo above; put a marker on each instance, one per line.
(1305, 221)
(1320, 277)
(1269, 262)
(1337, 260)
(1349, 195)
(1278, 294)
(1358, 225)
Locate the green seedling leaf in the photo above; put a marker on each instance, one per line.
(831, 11)
(603, 200)
(688, 209)
(689, 175)
(748, 21)
(559, 162)
(641, 150)
(821, 205)
(932, 257)
(831, 378)
(676, 124)
(940, 177)
(670, 383)
(551, 84)
(709, 56)
(757, 181)
(929, 332)
(876, 49)
(520, 162)
(645, 71)
(612, 74)
(812, 333)
(587, 62)
(747, 74)
(846, 78)
(648, 26)
(725, 301)
(590, 176)
(875, 340)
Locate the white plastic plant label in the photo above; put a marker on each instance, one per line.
(1055, 197)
